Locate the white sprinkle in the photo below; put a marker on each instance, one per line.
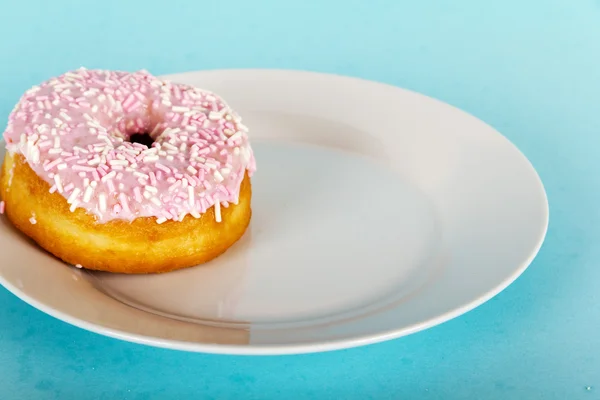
(58, 183)
(151, 189)
(61, 166)
(161, 220)
(57, 122)
(234, 137)
(151, 158)
(218, 177)
(169, 158)
(174, 186)
(108, 176)
(65, 116)
(73, 195)
(217, 210)
(94, 108)
(118, 162)
(32, 220)
(191, 198)
(88, 194)
(182, 147)
(102, 202)
(213, 115)
(156, 201)
(94, 161)
(74, 206)
(147, 195)
(140, 175)
(80, 150)
(169, 146)
(79, 266)
(54, 151)
(192, 170)
(180, 109)
(195, 214)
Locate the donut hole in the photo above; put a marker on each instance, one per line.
(142, 138)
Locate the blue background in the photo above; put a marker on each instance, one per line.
(529, 68)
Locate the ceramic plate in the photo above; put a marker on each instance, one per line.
(378, 212)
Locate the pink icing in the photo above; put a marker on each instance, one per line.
(74, 132)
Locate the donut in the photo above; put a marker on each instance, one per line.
(127, 173)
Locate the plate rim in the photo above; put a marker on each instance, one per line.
(319, 345)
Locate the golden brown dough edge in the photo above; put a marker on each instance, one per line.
(137, 247)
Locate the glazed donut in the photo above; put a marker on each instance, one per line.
(124, 172)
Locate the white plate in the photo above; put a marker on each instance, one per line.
(378, 212)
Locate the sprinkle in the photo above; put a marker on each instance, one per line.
(232, 139)
(110, 185)
(213, 115)
(191, 198)
(217, 211)
(156, 201)
(124, 203)
(108, 176)
(118, 162)
(88, 194)
(61, 166)
(140, 175)
(162, 167)
(2, 206)
(69, 187)
(161, 220)
(78, 266)
(102, 202)
(174, 186)
(58, 183)
(218, 177)
(74, 206)
(73, 195)
(138, 194)
(151, 158)
(152, 178)
(192, 170)
(151, 189)
(52, 164)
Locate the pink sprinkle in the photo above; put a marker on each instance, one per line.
(162, 167)
(82, 168)
(152, 178)
(138, 194)
(2, 206)
(124, 203)
(53, 164)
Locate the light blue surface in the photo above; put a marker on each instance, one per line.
(529, 68)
